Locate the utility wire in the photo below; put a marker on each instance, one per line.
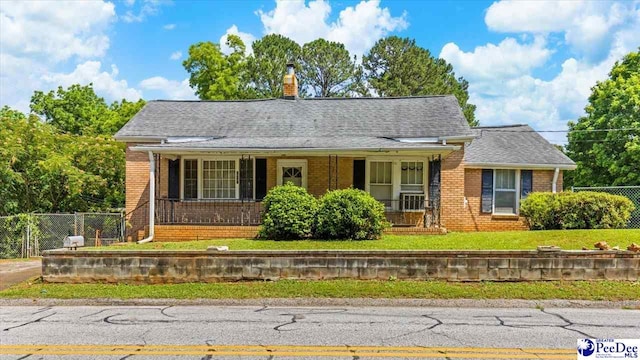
(557, 131)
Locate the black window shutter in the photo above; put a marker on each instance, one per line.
(487, 190)
(358, 174)
(261, 178)
(526, 185)
(174, 179)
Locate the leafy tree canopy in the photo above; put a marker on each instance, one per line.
(43, 170)
(216, 76)
(327, 68)
(78, 110)
(267, 65)
(398, 67)
(609, 157)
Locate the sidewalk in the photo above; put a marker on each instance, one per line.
(13, 272)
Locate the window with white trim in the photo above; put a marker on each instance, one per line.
(412, 176)
(505, 192)
(381, 179)
(191, 179)
(219, 179)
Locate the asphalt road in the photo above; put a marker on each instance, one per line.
(216, 332)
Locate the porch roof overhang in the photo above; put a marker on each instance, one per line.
(296, 145)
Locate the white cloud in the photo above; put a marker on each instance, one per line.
(247, 39)
(588, 26)
(176, 55)
(55, 31)
(148, 8)
(502, 82)
(169, 26)
(170, 89)
(357, 27)
(105, 83)
(491, 61)
(37, 37)
(360, 27)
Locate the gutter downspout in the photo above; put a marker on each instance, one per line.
(152, 199)
(554, 185)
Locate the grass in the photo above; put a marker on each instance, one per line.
(512, 240)
(584, 290)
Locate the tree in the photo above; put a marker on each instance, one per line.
(267, 65)
(43, 170)
(610, 155)
(327, 68)
(78, 110)
(398, 67)
(216, 76)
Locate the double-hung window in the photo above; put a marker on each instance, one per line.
(219, 179)
(190, 179)
(505, 191)
(412, 176)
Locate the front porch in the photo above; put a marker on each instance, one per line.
(213, 195)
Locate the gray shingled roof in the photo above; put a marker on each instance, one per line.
(430, 116)
(515, 144)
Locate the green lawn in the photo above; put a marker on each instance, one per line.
(596, 290)
(513, 240)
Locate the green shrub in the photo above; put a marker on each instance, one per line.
(349, 214)
(581, 210)
(289, 212)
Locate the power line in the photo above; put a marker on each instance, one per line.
(559, 131)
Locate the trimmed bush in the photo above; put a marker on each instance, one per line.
(349, 214)
(581, 210)
(289, 212)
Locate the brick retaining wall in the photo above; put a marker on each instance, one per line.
(153, 267)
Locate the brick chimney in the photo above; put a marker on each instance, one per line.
(290, 89)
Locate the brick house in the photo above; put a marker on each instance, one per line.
(198, 169)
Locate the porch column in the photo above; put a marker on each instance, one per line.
(152, 199)
(333, 184)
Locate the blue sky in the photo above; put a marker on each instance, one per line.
(526, 61)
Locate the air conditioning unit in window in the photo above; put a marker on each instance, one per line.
(412, 201)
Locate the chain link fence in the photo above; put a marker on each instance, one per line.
(631, 192)
(28, 235)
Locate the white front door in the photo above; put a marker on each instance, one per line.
(292, 170)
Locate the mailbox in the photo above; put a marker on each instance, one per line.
(73, 241)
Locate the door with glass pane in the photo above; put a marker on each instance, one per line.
(381, 181)
(293, 171)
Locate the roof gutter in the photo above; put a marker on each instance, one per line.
(457, 138)
(521, 166)
(174, 149)
(138, 139)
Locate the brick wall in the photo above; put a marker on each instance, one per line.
(472, 217)
(202, 232)
(136, 177)
(452, 216)
(318, 173)
(153, 267)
